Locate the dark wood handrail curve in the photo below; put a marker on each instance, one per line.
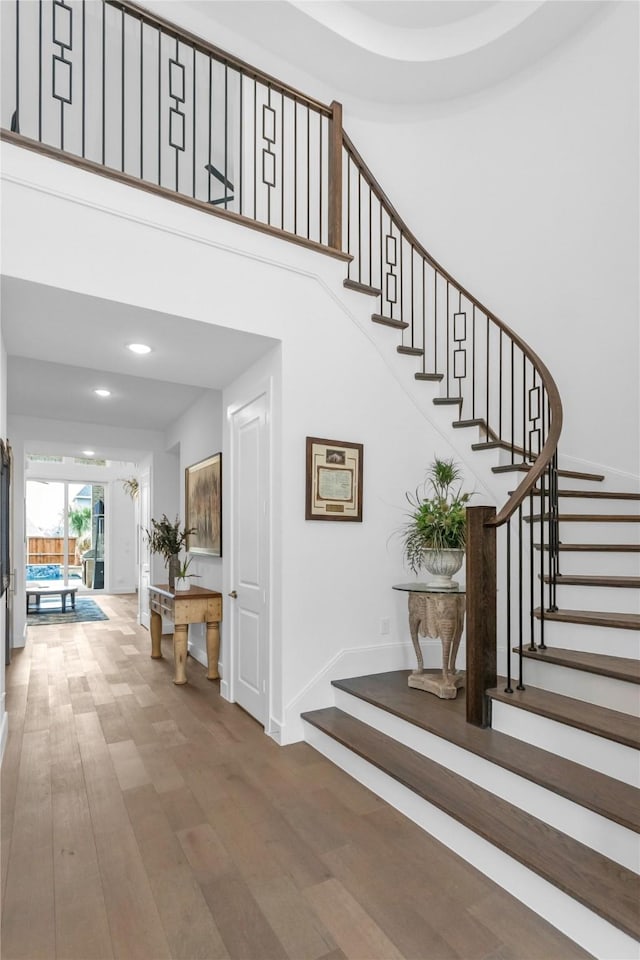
(549, 448)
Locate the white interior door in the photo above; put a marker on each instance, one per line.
(250, 557)
(144, 554)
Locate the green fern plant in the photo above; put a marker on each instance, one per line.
(437, 519)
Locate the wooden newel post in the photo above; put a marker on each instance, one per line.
(335, 176)
(481, 613)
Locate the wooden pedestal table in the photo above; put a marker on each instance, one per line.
(196, 605)
(438, 614)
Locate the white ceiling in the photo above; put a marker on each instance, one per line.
(392, 53)
(63, 345)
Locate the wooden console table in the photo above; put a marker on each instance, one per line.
(438, 614)
(196, 605)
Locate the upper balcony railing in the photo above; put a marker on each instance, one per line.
(117, 90)
(113, 85)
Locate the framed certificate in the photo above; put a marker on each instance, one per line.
(334, 480)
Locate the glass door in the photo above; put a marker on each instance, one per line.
(65, 533)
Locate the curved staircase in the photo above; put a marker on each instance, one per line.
(553, 783)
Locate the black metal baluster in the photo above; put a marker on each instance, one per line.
(508, 688)
(263, 174)
(513, 404)
(320, 183)
(84, 45)
(193, 122)
(448, 344)
(500, 388)
(122, 84)
(381, 256)
(308, 174)
(255, 149)
(520, 685)
(412, 299)
(525, 457)
(359, 227)
(435, 321)
(532, 526)
(240, 171)
(370, 239)
(349, 213)
(473, 363)
(401, 277)
(226, 134)
(209, 159)
(141, 100)
(295, 171)
(39, 68)
(424, 313)
(159, 107)
(104, 93)
(282, 101)
(487, 391)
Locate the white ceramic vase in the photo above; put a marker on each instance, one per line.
(442, 564)
(182, 585)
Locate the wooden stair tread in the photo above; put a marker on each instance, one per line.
(467, 423)
(591, 494)
(599, 618)
(410, 351)
(620, 668)
(568, 474)
(435, 377)
(610, 724)
(446, 719)
(388, 322)
(596, 547)
(446, 401)
(605, 887)
(362, 288)
(587, 517)
(577, 580)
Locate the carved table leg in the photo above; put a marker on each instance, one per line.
(180, 635)
(414, 624)
(213, 650)
(156, 635)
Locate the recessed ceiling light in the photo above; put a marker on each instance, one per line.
(101, 392)
(88, 453)
(139, 348)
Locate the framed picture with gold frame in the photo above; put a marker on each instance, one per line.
(334, 480)
(203, 506)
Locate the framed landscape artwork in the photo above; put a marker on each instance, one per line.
(203, 506)
(334, 480)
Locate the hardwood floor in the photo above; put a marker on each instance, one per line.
(145, 820)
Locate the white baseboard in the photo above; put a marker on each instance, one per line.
(594, 934)
(4, 731)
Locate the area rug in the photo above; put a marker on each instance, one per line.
(86, 610)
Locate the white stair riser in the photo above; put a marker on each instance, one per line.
(603, 691)
(601, 505)
(615, 599)
(591, 639)
(597, 563)
(612, 840)
(597, 936)
(612, 759)
(577, 531)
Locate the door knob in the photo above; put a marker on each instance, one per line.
(233, 595)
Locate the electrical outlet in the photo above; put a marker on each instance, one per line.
(385, 626)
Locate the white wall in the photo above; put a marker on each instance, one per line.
(528, 193)
(4, 727)
(197, 434)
